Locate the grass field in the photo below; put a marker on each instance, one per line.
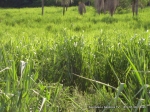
(74, 63)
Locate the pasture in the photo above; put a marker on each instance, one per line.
(74, 63)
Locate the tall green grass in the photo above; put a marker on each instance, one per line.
(73, 62)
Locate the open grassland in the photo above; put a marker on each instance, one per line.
(74, 63)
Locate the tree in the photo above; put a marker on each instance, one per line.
(42, 7)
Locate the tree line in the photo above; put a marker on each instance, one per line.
(37, 3)
(25, 3)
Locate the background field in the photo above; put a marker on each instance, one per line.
(74, 63)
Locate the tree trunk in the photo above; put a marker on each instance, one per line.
(135, 7)
(42, 7)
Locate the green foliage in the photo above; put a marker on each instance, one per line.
(39, 56)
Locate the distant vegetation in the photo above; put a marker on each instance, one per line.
(37, 3)
(74, 63)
